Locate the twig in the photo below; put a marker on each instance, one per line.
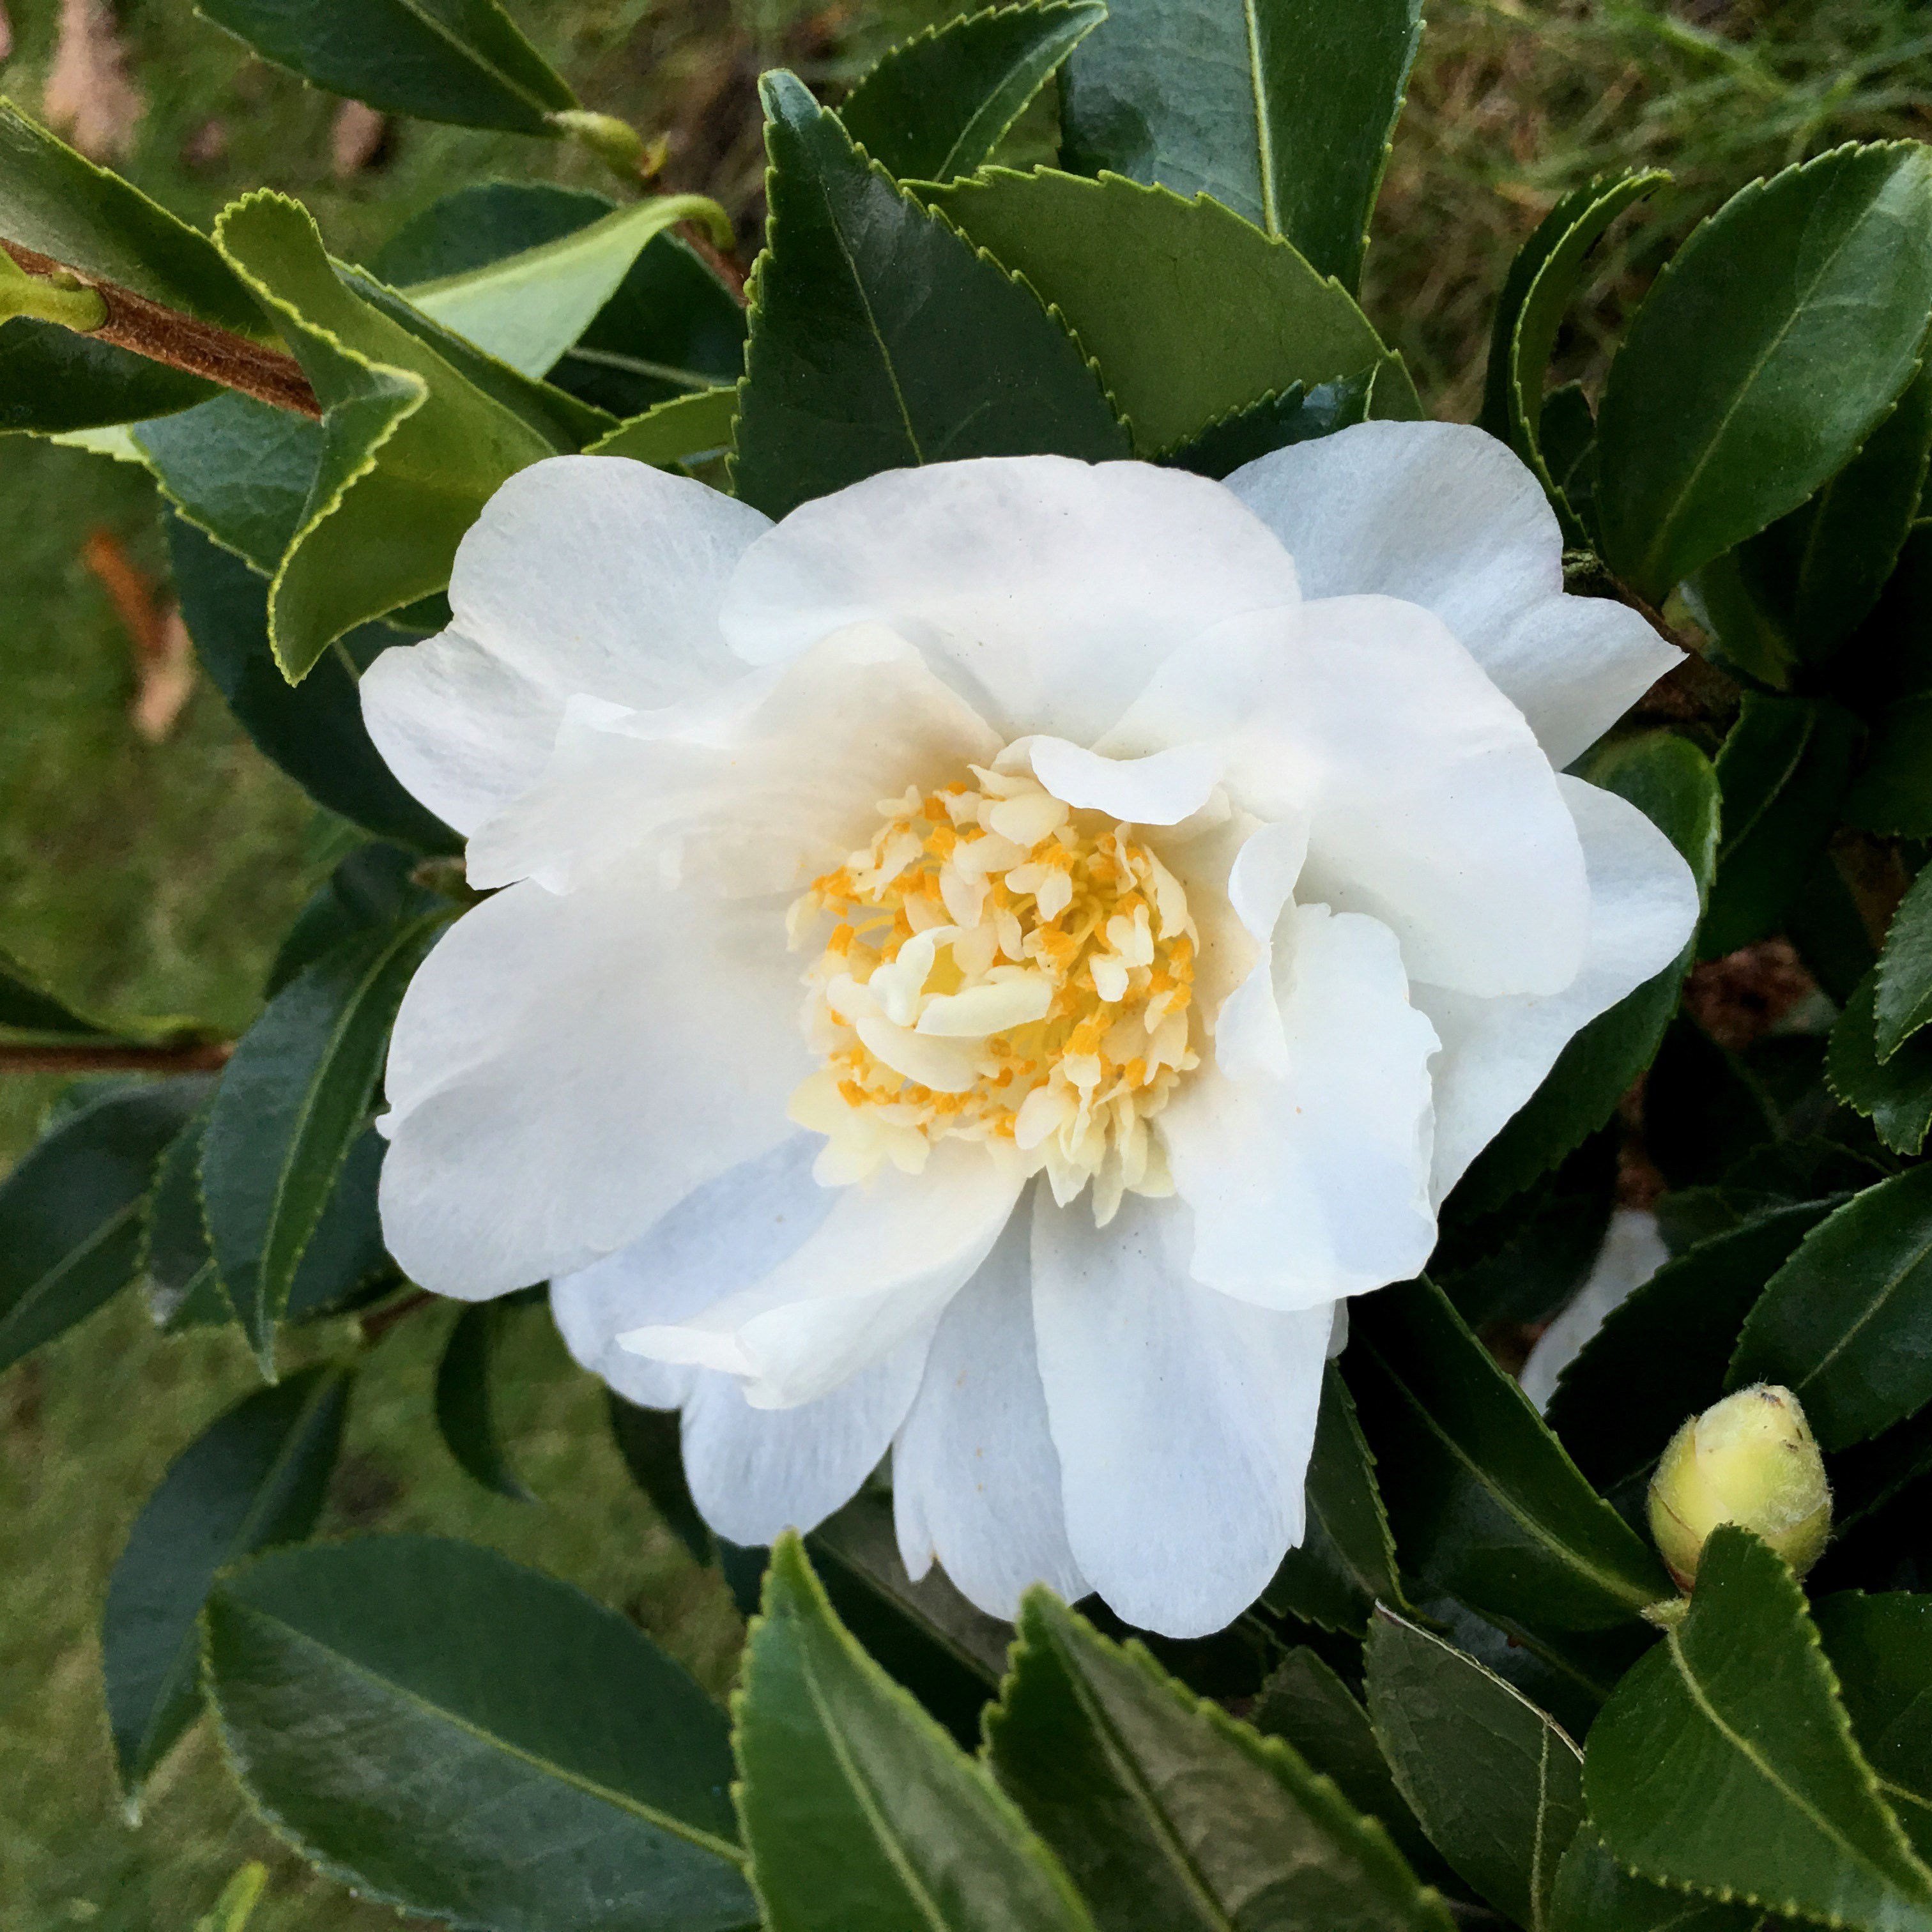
(117, 1056)
(164, 334)
(720, 264)
(374, 1327)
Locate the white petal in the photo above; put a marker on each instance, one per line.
(1162, 789)
(1045, 590)
(976, 1479)
(1633, 1251)
(755, 787)
(1447, 517)
(1249, 1041)
(744, 1223)
(1495, 1052)
(1430, 806)
(565, 1070)
(1184, 1419)
(754, 1472)
(1313, 1186)
(892, 1251)
(584, 575)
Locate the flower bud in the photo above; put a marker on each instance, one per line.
(1749, 1459)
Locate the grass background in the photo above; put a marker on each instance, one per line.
(158, 878)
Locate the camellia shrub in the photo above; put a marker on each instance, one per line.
(1053, 926)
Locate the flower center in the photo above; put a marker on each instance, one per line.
(1003, 969)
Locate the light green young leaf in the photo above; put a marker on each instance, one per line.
(233, 1910)
(670, 433)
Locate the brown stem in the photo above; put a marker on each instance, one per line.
(118, 1056)
(374, 1327)
(164, 335)
(721, 264)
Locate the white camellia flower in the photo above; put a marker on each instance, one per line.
(986, 965)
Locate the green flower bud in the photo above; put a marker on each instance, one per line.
(1750, 1459)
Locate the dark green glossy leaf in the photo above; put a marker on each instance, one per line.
(317, 734)
(1895, 1095)
(461, 61)
(936, 106)
(669, 434)
(374, 885)
(1661, 1354)
(1671, 782)
(1298, 414)
(1725, 1761)
(1498, 1785)
(1283, 110)
(1703, 1110)
(861, 1814)
(649, 1440)
(1594, 1893)
(1766, 354)
(257, 1476)
(70, 1212)
(1485, 1502)
(52, 381)
(1541, 280)
(1845, 1325)
(466, 1405)
(293, 1100)
(1168, 1813)
(1311, 1710)
(879, 339)
(238, 470)
(1346, 1559)
(1892, 793)
(1569, 434)
(26, 1006)
(1782, 773)
(1881, 1649)
(1903, 1001)
(461, 1738)
(1189, 312)
(184, 1288)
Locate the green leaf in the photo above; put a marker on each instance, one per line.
(1766, 354)
(1486, 1502)
(528, 308)
(464, 1739)
(53, 382)
(1594, 1893)
(1569, 436)
(669, 434)
(1881, 1649)
(1903, 1001)
(1297, 415)
(292, 1103)
(1312, 1711)
(1892, 794)
(1345, 1561)
(465, 1405)
(233, 1910)
(256, 1476)
(1189, 312)
(936, 106)
(1283, 110)
(460, 61)
(373, 885)
(1895, 1095)
(1671, 782)
(1661, 1353)
(1782, 772)
(1725, 1761)
(317, 734)
(1498, 1785)
(649, 1440)
(26, 1006)
(238, 471)
(1845, 1325)
(413, 447)
(1541, 281)
(58, 202)
(184, 1288)
(861, 1814)
(70, 1212)
(1168, 1813)
(879, 339)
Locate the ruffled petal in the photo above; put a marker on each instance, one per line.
(754, 1472)
(1314, 1185)
(740, 789)
(585, 575)
(565, 1070)
(1162, 789)
(1447, 517)
(742, 1224)
(889, 1255)
(1495, 1052)
(975, 1478)
(1043, 589)
(1184, 1419)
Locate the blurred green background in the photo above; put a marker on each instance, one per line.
(157, 878)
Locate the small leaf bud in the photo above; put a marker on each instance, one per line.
(615, 143)
(57, 298)
(1749, 1459)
